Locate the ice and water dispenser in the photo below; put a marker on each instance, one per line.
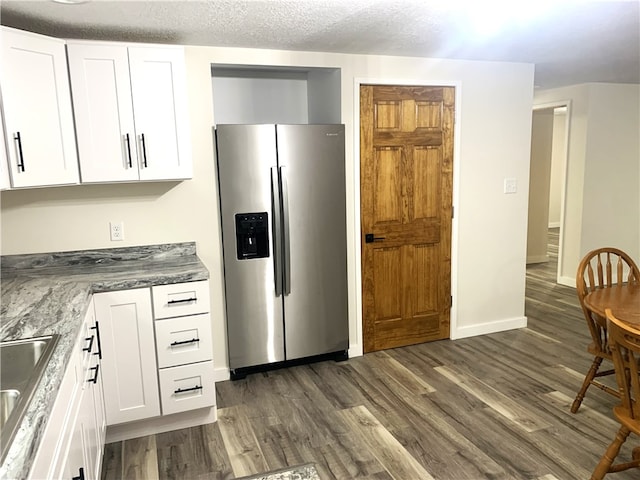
(252, 235)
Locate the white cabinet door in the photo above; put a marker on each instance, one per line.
(37, 108)
(92, 410)
(73, 466)
(129, 369)
(131, 112)
(159, 89)
(104, 112)
(4, 166)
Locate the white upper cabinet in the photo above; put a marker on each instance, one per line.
(104, 112)
(37, 110)
(131, 112)
(4, 166)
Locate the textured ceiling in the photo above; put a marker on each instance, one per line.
(574, 42)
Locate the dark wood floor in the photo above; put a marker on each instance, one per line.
(488, 407)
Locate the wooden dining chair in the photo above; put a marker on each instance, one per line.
(600, 268)
(624, 341)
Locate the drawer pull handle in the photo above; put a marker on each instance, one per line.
(182, 390)
(184, 300)
(95, 375)
(184, 342)
(90, 347)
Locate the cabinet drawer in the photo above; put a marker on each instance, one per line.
(187, 387)
(180, 299)
(183, 340)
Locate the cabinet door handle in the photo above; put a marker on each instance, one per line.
(96, 327)
(184, 300)
(144, 151)
(95, 375)
(90, 347)
(184, 342)
(126, 138)
(183, 390)
(80, 476)
(17, 138)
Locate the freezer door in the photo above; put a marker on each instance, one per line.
(311, 161)
(246, 157)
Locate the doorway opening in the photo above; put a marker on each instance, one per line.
(547, 182)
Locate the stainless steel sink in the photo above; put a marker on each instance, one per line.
(22, 363)
(8, 401)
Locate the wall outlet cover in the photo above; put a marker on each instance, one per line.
(116, 231)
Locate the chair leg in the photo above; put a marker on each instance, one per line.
(610, 455)
(587, 381)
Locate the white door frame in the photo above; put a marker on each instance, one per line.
(563, 180)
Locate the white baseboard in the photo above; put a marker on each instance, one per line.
(355, 350)
(489, 327)
(221, 374)
(151, 426)
(567, 281)
(537, 259)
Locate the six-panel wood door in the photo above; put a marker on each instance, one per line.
(406, 149)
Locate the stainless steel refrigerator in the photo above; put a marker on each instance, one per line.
(282, 202)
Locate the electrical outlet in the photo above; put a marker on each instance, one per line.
(510, 185)
(117, 231)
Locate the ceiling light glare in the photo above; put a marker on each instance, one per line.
(70, 2)
(490, 17)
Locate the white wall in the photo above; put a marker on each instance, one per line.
(260, 100)
(611, 190)
(493, 128)
(602, 200)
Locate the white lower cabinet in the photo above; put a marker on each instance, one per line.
(73, 442)
(130, 376)
(137, 386)
(187, 387)
(183, 340)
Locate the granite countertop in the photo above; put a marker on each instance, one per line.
(45, 294)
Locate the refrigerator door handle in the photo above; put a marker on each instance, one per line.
(276, 228)
(285, 230)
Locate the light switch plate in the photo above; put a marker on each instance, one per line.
(510, 185)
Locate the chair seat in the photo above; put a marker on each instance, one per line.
(624, 417)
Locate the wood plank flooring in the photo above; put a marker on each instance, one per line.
(488, 407)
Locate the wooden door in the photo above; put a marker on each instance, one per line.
(406, 165)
